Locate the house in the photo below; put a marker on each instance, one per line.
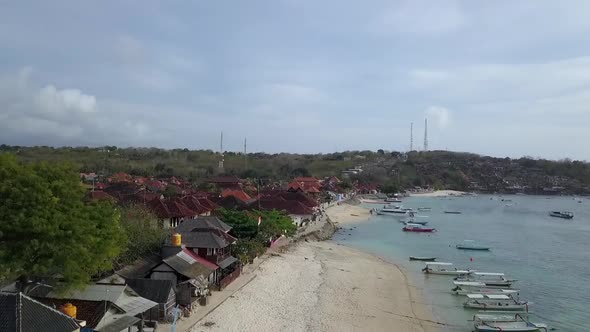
(171, 212)
(104, 306)
(226, 182)
(160, 291)
(308, 185)
(231, 202)
(120, 177)
(193, 203)
(239, 194)
(189, 273)
(88, 177)
(20, 313)
(208, 237)
(298, 211)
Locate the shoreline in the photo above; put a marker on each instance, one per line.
(324, 286)
(440, 193)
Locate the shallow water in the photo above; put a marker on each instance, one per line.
(549, 256)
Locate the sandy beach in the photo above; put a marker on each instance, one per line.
(323, 286)
(439, 193)
(345, 213)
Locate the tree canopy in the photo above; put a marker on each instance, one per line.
(47, 231)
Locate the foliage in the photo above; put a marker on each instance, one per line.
(48, 231)
(390, 188)
(144, 235)
(252, 237)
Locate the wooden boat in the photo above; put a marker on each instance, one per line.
(424, 259)
(488, 279)
(471, 245)
(393, 200)
(494, 302)
(453, 212)
(398, 212)
(464, 288)
(562, 214)
(414, 221)
(417, 228)
(444, 269)
(503, 322)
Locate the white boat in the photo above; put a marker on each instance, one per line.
(504, 322)
(413, 221)
(392, 212)
(475, 284)
(393, 200)
(471, 245)
(480, 288)
(425, 209)
(444, 269)
(494, 302)
(489, 279)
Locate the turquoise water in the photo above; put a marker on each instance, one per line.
(549, 256)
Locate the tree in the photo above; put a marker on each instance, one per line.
(143, 233)
(47, 232)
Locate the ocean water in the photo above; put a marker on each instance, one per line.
(549, 256)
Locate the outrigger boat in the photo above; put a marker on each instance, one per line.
(494, 302)
(424, 259)
(504, 322)
(425, 209)
(444, 269)
(453, 212)
(398, 212)
(393, 200)
(470, 245)
(414, 221)
(488, 291)
(488, 279)
(476, 287)
(562, 214)
(417, 228)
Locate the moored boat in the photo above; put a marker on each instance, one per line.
(414, 221)
(494, 302)
(444, 269)
(393, 200)
(422, 258)
(488, 278)
(453, 212)
(424, 209)
(562, 214)
(417, 228)
(392, 211)
(504, 322)
(471, 245)
(459, 290)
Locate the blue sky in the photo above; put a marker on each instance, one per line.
(503, 78)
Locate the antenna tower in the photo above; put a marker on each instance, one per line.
(221, 151)
(426, 134)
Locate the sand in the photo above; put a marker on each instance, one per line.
(323, 286)
(439, 193)
(345, 214)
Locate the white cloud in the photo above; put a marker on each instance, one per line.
(440, 116)
(50, 99)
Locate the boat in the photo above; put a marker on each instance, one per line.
(414, 221)
(444, 269)
(483, 289)
(494, 302)
(489, 279)
(392, 212)
(562, 214)
(393, 200)
(424, 209)
(409, 227)
(475, 285)
(471, 245)
(504, 322)
(453, 212)
(424, 259)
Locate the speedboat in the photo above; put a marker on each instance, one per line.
(494, 302)
(417, 228)
(488, 278)
(562, 214)
(444, 269)
(471, 245)
(504, 322)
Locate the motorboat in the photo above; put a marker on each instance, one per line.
(494, 302)
(386, 211)
(409, 227)
(464, 290)
(504, 322)
(471, 245)
(393, 200)
(444, 269)
(475, 285)
(562, 214)
(414, 221)
(453, 212)
(489, 279)
(424, 209)
(422, 258)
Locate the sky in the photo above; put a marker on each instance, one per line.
(500, 78)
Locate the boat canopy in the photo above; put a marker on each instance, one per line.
(475, 296)
(490, 296)
(491, 274)
(439, 263)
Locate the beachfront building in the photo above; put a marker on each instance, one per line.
(208, 237)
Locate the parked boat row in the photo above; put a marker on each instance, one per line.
(492, 294)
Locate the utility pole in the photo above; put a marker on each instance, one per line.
(245, 155)
(221, 152)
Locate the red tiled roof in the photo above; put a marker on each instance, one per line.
(312, 190)
(155, 184)
(295, 185)
(291, 207)
(239, 194)
(298, 196)
(176, 206)
(170, 209)
(200, 259)
(99, 186)
(100, 195)
(193, 204)
(120, 177)
(208, 203)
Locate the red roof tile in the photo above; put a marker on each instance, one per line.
(239, 194)
(200, 259)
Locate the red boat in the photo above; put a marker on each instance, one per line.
(418, 228)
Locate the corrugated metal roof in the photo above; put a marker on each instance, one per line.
(186, 265)
(20, 313)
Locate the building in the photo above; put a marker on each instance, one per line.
(160, 291)
(20, 313)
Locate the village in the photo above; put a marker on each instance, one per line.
(196, 267)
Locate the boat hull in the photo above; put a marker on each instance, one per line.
(419, 230)
(447, 273)
(495, 307)
(462, 247)
(498, 328)
(423, 259)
